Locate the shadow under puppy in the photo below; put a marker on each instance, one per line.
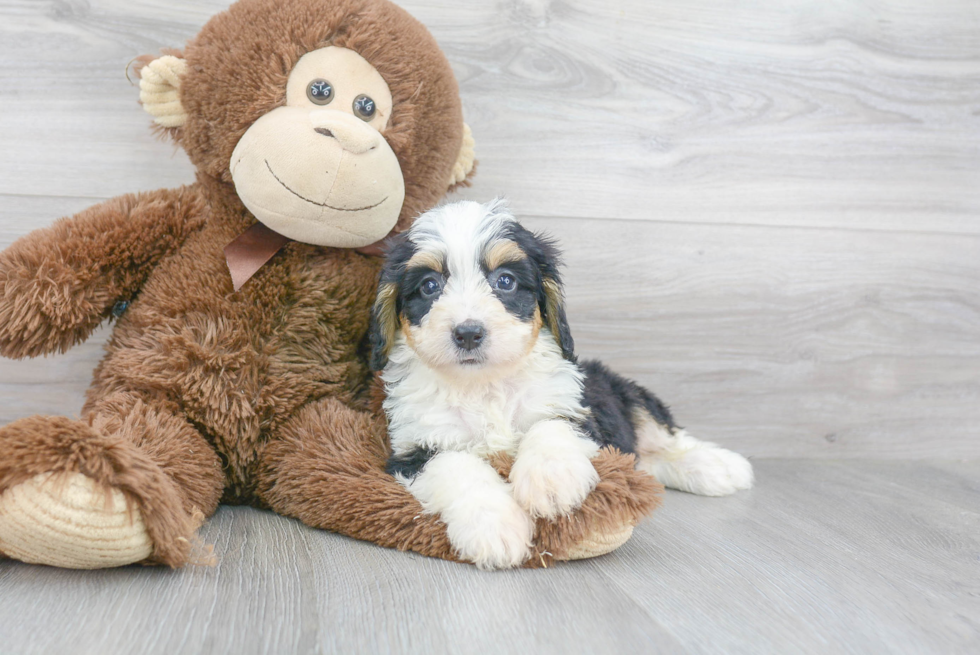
(469, 328)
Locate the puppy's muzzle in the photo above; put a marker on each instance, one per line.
(469, 335)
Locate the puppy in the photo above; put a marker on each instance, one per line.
(469, 329)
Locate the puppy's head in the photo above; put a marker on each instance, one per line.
(470, 289)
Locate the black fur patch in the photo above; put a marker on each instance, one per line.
(543, 254)
(522, 301)
(410, 301)
(410, 464)
(612, 400)
(412, 304)
(397, 257)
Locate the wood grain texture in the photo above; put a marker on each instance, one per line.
(793, 113)
(770, 210)
(787, 342)
(781, 342)
(822, 557)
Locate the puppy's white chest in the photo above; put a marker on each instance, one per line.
(478, 414)
(482, 419)
(489, 421)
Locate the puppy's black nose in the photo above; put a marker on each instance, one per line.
(469, 335)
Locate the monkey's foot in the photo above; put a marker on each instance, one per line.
(598, 543)
(605, 521)
(70, 520)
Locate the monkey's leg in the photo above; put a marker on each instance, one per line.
(605, 520)
(326, 467)
(131, 483)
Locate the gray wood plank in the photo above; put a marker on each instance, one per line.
(846, 555)
(777, 342)
(784, 342)
(754, 113)
(770, 212)
(823, 556)
(858, 339)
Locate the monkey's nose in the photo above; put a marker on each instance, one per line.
(468, 335)
(354, 135)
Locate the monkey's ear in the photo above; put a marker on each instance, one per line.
(555, 319)
(465, 165)
(160, 80)
(384, 324)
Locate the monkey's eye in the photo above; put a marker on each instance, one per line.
(320, 92)
(505, 282)
(364, 107)
(430, 287)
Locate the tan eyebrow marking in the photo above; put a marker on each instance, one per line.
(503, 252)
(425, 260)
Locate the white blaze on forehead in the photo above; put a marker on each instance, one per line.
(458, 233)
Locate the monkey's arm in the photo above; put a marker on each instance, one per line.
(58, 283)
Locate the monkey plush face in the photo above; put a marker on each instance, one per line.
(318, 169)
(334, 120)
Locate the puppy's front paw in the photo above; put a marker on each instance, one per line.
(492, 535)
(484, 523)
(553, 472)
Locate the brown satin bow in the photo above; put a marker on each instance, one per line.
(251, 249)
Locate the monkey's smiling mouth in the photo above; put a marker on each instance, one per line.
(321, 204)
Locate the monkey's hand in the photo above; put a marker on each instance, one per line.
(58, 283)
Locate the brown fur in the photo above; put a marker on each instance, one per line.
(553, 304)
(261, 396)
(385, 308)
(52, 444)
(248, 51)
(406, 326)
(622, 497)
(503, 252)
(424, 259)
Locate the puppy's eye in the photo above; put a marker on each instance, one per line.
(364, 107)
(505, 282)
(320, 92)
(430, 287)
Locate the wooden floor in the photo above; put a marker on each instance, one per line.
(771, 214)
(822, 557)
(771, 210)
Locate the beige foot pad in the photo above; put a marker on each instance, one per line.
(70, 521)
(599, 544)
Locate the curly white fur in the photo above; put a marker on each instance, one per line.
(483, 521)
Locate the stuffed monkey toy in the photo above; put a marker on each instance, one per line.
(236, 371)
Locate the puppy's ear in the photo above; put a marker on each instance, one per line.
(384, 314)
(384, 324)
(544, 253)
(554, 316)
